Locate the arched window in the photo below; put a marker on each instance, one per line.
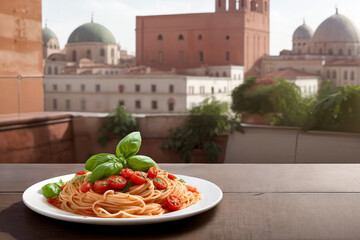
(74, 56)
(341, 51)
(334, 74)
(201, 56)
(49, 70)
(253, 6)
(227, 37)
(200, 37)
(102, 52)
(112, 52)
(88, 54)
(181, 37)
(349, 52)
(219, 3)
(345, 75)
(51, 46)
(160, 37)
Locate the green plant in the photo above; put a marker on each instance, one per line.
(336, 109)
(209, 120)
(278, 97)
(118, 123)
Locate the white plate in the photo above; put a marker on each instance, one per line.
(211, 196)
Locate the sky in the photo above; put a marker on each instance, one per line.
(119, 16)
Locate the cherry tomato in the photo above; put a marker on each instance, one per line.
(173, 202)
(85, 187)
(152, 172)
(127, 172)
(81, 173)
(191, 188)
(160, 183)
(50, 200)
(172, 177)
(138, 177)
(117, 182)
(101, 186)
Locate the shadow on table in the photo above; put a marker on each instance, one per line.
(23, 223)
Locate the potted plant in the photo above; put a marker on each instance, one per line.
(117, 124)
(336, 109)
(204, 132)
(268, 101)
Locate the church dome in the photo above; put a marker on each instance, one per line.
(91, 32)
(47, 35)
(303, 32)
(336, 28)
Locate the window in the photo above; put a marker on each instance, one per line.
(55, 70)
(330, 52)
(121, 103)
(171, 88)
(83, 104)
(253, 6)
(49, 70)
(334, 74)
(67, 104)
(345, 75)
(160, 37)
(54, 103)
(112, 52)
(154, 104)
(153, 88)
(88, 54)
(102, 52)
(212, 90)
(328, 74)
(217, 74)
(160, 57)
(202, 89)
(265, 7)
(121, 88)
(227, 57)
(237, 5)
(219, 3)
(349, 52)
(83, 87)
(227, 37)
(181, 37)
(191, 89)
(242, 3)
(55, 88)
(137, 104)
(320, 51)
(111, 72)
(340, 51)
(224, 74)
(137, 88)
(97, 87)
(68, 87)
(201, 56)
(352, 76)
(200, 37)
(73, 56)
(171, 104)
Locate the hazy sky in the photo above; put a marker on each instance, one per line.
(119, 16)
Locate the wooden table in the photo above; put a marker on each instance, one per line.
(309, 201)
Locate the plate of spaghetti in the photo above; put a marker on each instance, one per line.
(122, 189)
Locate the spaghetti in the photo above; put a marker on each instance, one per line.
(144, 200)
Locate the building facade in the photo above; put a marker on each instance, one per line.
(236, 34)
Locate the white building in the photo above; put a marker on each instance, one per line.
(139, 93)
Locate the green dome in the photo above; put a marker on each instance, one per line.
(91, 32)
(47, 34)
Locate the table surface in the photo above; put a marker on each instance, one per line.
(261, 201)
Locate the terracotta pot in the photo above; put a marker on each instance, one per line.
(257, 118)
(199, 156)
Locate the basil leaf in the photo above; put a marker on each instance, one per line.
(105, 170)
(98, 159)
(181, 180)
(141, 163)
(129, 145)
(127, 187)
(78, 177)
(51, 190)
